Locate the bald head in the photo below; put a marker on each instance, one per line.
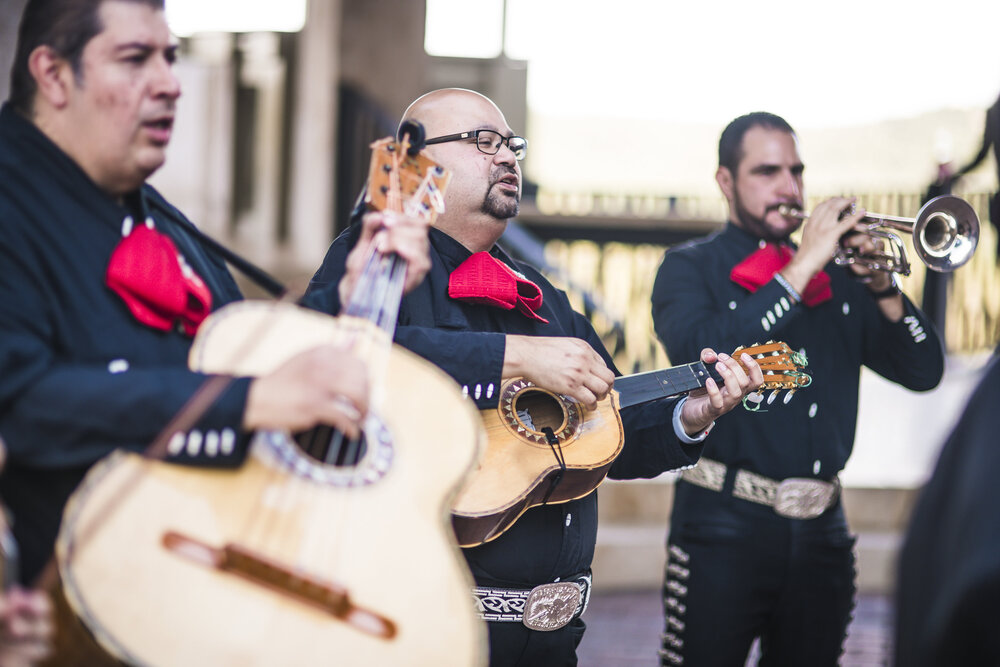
(441, 110)
(485, 189)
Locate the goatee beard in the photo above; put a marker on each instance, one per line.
(499, 204)
(757, 225)
(501, 207)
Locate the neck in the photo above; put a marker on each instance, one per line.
(72, 142)
(475, 233)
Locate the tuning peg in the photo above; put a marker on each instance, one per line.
(755, 397)
(414, 131)
(773, 395)
(788, 396)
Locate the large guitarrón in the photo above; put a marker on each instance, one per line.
(379, 535)
(346, 558)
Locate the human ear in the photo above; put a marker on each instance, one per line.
(724, 178)
(53, 75)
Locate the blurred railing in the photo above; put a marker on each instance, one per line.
(621, 273)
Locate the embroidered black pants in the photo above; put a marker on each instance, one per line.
(737, 571)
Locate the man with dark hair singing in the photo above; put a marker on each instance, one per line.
(104, 282)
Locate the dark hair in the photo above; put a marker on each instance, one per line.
(731, 141)
(64, 25)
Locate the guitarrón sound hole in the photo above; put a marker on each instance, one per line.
(328, 445)
(536, 410)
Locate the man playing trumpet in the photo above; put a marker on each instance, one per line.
(759, 546)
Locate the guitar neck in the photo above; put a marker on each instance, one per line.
(644, 387)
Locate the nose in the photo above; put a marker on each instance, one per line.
(505, 155)
(791, 184)
(165, 81)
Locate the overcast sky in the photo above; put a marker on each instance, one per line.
(821, 63)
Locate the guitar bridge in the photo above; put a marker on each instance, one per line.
(265, 572)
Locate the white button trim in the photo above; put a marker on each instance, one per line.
(212, 443)
(228, 442)
(194, 442)
(118, 366)
(176, 444)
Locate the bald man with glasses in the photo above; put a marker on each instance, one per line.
(483, 317)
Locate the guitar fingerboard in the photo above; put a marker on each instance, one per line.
(643, 387)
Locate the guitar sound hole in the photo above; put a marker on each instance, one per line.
(537, 410)
(329, 446)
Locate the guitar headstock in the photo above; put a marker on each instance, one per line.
(400, 179)
(782, 368)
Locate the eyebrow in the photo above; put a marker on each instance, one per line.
(494, 128)
(145, 46)
(766, 167)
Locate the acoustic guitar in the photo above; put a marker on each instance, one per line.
(341, 554)
(546, 448)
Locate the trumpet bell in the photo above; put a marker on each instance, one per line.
(945, 233)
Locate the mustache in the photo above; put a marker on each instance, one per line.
(791, 204)
(500, 172)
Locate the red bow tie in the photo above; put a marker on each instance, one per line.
(760, 267)
(155, 282)
(482, 278)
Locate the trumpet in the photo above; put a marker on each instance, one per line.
(945, 233)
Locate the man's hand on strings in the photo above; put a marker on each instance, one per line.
(326, 385)
(564, 365)
(388, 232)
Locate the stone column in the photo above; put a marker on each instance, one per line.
(313, 128)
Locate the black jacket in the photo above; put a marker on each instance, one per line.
(949, 569)
(467, 341)
(79, 375)
(696, 304)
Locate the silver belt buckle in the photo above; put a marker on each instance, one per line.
(803, 498)
(551, 606)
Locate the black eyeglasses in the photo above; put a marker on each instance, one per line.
(488, 141)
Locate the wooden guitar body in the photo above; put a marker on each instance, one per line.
(344, 565)
(519, 456)
(545, 448)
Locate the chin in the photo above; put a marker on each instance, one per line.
(149, 164)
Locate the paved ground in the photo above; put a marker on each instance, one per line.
(623, 630)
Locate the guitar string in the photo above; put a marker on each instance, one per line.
(378, 303)
(289, 488)
(380, 288)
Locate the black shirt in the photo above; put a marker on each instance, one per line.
(696, 304)
(467, 341)
(79, 375)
